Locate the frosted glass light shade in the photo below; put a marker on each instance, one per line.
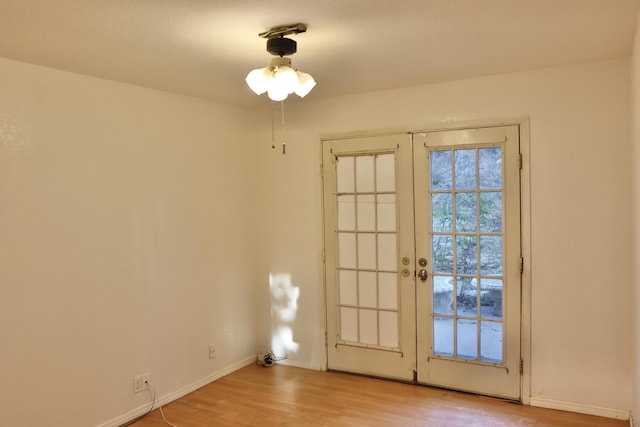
(277, 94)
(305, 84)
(279, 80)
(259, 79)
(285, 80)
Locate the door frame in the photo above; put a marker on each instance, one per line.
(525, 224)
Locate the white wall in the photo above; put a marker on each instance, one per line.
(581, 213)
(125, 241)
(138, 226)
(635, 121)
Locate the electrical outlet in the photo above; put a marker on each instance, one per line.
(137, 384)
(212, 351)
(141, 383)
(145, 381)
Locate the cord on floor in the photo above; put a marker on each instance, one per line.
(160, 407)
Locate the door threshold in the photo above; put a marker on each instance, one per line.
(430, 386)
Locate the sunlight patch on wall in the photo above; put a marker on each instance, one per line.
(284, 310)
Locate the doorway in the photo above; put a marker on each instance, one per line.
(423, 257)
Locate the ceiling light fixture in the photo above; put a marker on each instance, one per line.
(279, 79)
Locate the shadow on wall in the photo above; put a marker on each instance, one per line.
(284, 309)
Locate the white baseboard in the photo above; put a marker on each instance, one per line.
(579, 408)
(300, 364)
(206, 380)
(163, 400)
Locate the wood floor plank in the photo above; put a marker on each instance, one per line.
(287, 396)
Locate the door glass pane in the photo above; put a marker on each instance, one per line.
(467, 297)
(348, 287)
(347, 250)
(491, 255)
(367, 255)
(465, 169)
(368, 326)
(491, 298)
(364, 174)
(491, 212)
(465, 212)
(366, 212)
(467, 251)
(490, 165)
(442, 294)
(386, 212)
(367, 251)
(491, 341)
(388, 289)
(442, 253)
(345, 175)
(443, 336)
(387, 251)
(385, 172)
(440, 170)
(466, 258)
(388, 328)
(367, 289)
(349, 323)
(441, 212)
(346, 212)
(467, 339)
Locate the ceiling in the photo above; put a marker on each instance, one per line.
(205, 48)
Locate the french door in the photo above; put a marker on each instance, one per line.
(422, 241)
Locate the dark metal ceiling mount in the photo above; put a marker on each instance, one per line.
(283, 30)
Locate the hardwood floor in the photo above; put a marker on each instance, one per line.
(287, 396)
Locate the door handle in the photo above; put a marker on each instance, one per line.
(422, 274)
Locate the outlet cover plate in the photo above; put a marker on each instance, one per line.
(141, 383)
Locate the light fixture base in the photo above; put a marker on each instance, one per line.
(281, 46)
(280, 61)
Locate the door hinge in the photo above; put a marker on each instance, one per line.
(520, 161)
(521, 366)
(521, 265)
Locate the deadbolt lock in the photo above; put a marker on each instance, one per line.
(422, 262)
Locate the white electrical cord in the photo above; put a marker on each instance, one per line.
(159, 405)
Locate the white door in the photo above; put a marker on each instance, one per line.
(368, 193)
(422, 241)
(467, 203)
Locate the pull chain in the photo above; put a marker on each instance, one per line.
(273, 137)
(273, 132)
(284, 145)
